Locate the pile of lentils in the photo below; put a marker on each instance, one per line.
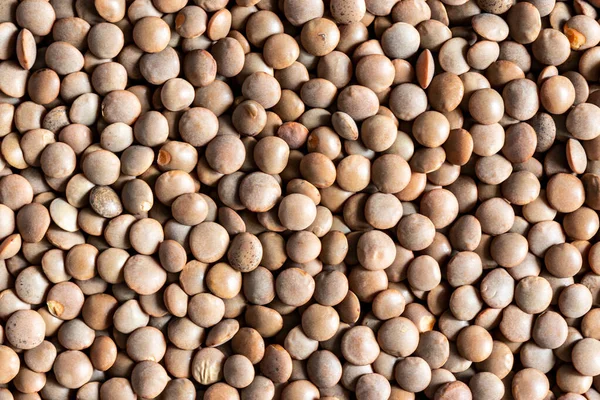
(299, 199)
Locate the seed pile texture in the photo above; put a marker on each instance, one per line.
(299, 199)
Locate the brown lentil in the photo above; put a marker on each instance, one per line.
(272, 199)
